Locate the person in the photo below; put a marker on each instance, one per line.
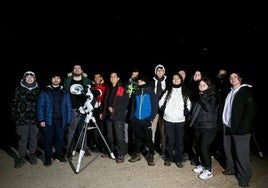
(114, 113)
(238, 117)
(95, 141)
(75, 83)
(204, 122)
(187, 131)
(23, 113)
(222, 86)
(175, 100)
(132, 87)
(144, 106)
(192, 137)
(159, 86)
(54, 113)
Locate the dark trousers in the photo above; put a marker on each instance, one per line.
(115, 136)
(74, 131)
(143, 133)
(205, 140)
(28, 136)
(95, 141)
(237, 151)
(53, 136)
(174, 141)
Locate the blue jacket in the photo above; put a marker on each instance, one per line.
(45, 107)
(144, 104)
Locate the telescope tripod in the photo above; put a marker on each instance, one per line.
(82, 136)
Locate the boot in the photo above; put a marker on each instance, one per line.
(135, 157)
(20, 162)
(47, 161)
(150, 160)
(32, 159)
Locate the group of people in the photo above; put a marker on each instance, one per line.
(175, 117)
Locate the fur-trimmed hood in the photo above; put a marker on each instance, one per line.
(71, 74)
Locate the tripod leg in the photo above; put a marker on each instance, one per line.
(111, 153)
(81, 152)
(257, 146)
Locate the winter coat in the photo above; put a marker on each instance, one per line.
(45, 107)
(205, 110)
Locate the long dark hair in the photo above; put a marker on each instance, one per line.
(184, 90)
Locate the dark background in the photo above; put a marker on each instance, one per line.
(47, 40)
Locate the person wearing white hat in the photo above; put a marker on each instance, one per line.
(23, 114)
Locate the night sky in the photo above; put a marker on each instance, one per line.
(53, 41)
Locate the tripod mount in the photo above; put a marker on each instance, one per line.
(88, 110)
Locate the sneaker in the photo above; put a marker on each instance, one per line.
(20, 162)
(206, 174)
(198, 169)
(32, 160)
(135, 157)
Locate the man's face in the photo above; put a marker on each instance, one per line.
(56, 80)
(134, 75)
(77, 70)
(97, 78)
(234, 80)
(114, 78)
(159, 72)
(29, 79)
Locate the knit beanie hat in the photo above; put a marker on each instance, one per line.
(27, 73)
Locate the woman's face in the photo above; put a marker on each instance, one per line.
(176, 80)
(202, 86)
(197, 75)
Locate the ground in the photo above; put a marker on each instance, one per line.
(96, 171)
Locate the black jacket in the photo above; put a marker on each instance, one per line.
(205, 110)
(243, 111)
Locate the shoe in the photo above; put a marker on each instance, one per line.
(150, 160)
(120, 159)
(179, 164)
(242, 183)
(228, 172)
(167, 163)
(32, 160)
(20, 162)
(60, 158)
(135, 157)
(206, 174)
(198, 169)
(47, 162)
(87, 152)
